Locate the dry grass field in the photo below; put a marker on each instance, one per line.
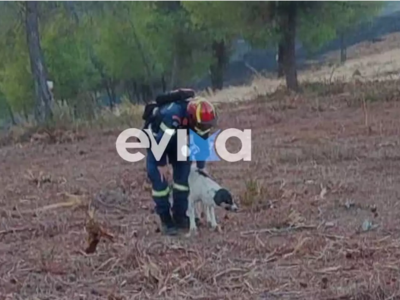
(319, 213)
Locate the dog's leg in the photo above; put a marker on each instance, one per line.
(196, 208)
(196, 214)
(191, 215)
(214, 224)
(203, 210)
(208, 215)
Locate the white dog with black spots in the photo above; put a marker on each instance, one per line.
(210, 194)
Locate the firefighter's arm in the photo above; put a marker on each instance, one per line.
(168, 126)
(202, 164)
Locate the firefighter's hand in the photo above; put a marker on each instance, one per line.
(164, 172)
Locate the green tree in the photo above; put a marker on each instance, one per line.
(185, 55)
(16, 83)
(312, 23)
(6, 112)
(220, 24)
(122, 48)
(335, 20)
(140, 48)
(68, 56)
(38, 68)
(280, 21)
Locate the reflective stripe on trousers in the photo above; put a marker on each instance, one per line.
(181, 187)
(162, 193)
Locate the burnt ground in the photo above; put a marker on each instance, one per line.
(318, 219)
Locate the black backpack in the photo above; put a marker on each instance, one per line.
(175, 96)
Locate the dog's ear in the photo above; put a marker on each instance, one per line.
(228, 197)
(218, 198)
(222, 196)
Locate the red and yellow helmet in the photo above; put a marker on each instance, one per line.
(202, 115)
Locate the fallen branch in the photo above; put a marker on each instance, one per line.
(73, 201)
(230, 270)
(328, 270)
(331, 236)
(57, 205)
(297, 248)
(277, 230)
(104, 264)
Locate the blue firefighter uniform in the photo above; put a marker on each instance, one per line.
(170, 116)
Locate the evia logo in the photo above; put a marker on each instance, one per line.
(203, 149)
(212, 148)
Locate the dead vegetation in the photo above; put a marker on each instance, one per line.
(318, 213)
(66, 128)
(95, 233)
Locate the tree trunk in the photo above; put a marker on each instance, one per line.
(11, 113)
(110, 89)
(343, 48)
(137, 93)
(143, 89)
(113, 94)
(43, 98)
(149, 93)
(174, 72)
(25, 111)
(289, 53)
(93, 96)
(143, 55)
(146, 93)
(281, 71)
(218, 67)
(163, 83)
(132, 91)
(75, 111)
(128, 88)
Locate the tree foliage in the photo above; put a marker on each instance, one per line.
(334, 18)
(138, 49)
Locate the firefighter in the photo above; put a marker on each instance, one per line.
(179, 109)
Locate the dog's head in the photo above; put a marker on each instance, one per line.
(224, 199)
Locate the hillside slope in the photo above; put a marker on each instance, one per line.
(263, 60)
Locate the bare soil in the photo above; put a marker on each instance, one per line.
(318, 219)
